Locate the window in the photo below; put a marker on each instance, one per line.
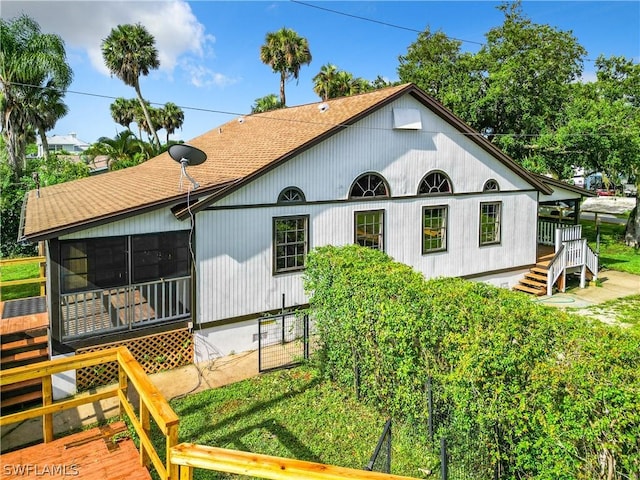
(93, 263)
(434, 229)
(290, 245)
(291, 195)
(101, 263)
(162, 255)
(434, 183)
(369, 229)
(369, 185)
(490, 223)
(491, 186)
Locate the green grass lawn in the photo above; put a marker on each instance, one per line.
(19, 272)
(614, 254)
(292, 413)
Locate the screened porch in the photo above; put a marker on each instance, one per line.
(115, 284)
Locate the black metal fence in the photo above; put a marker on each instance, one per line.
(283, 340)
(460, 458)
(381, 458)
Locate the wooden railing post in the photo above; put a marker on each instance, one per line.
(47, 399)
(186, 473)
(145, 423)
(172, 470)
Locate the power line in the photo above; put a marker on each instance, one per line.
(379, 22)
(265, 116)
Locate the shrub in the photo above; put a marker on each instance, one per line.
(544, 394)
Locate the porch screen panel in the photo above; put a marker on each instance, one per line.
(164, 255)
(93, 263)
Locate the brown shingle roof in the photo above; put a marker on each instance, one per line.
(237, 152)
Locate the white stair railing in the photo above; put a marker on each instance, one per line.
(591, 259)
(556, 268)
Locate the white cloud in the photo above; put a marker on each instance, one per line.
(201, 76)
(84, 24)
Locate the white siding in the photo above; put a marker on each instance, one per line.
(161, 220)
(403, 157)
(234, 246)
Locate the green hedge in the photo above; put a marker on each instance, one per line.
(543, 393)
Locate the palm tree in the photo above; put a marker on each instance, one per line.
(129, 51)
(322, 82)
(266, 104)
(29, 59)
(46, 108)
(172, 118)
(285, 51)
(123, 150)
(123, 111)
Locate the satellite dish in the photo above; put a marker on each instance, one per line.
(181, 152)
(187, 155)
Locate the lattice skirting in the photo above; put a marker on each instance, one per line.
(156, 353)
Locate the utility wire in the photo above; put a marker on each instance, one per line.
(379, 22)
(266, 116)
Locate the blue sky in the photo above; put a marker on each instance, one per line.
(209, 50)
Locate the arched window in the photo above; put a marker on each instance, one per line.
(291, 195)
(491, 186)
(434, 183)
(369, 185)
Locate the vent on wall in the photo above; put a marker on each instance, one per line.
(407, 119)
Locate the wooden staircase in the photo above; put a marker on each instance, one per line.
(535, 281)
(19, 349)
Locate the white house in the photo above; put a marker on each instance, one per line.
(138, 251)
(63, 143)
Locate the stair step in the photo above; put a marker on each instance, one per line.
(526, 289)
(25, 355)
(33, 384)
(23, 398)
(24, 344)
(536, 276)
(540, 270)
(530, 282)
(20, 335)
(6, 364)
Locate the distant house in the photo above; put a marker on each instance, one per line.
(139, 251)
(68, 143)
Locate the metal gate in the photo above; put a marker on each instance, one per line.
(283, 340)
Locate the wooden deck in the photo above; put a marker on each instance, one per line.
(104, 453)
(22, 323)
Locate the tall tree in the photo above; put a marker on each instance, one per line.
(529, 69)
(46, 108)
(323, 81)
(123, 111)
(29, 60)
(171, 117)
(129, 52)
(601, 128)
(266, 104)
(285, 52)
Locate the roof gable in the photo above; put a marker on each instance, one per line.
(238, 151)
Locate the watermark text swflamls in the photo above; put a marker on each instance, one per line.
(36, 470)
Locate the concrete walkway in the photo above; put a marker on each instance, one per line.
(612, 285)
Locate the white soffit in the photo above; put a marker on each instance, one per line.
(407, 119)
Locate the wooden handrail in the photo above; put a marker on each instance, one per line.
(41, 279)
(189, 456)
(152, 403)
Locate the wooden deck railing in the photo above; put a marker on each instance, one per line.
(189, 456)
(152, 403)
(41, 279)
(180, 459)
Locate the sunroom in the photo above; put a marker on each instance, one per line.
(112, 285)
